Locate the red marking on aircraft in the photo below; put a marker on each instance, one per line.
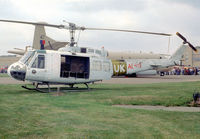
(131, 66)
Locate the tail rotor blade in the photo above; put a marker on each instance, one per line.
(185, 41)
(181, 36)
(191, 46)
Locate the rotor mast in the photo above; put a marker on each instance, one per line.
(72, 28)
(72, 31)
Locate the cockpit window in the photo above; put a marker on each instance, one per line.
(39, 62)
(27, 57)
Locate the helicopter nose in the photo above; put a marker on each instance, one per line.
(17, 71)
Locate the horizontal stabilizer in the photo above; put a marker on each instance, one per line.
(17, 52)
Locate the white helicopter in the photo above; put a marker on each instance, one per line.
(72, 64)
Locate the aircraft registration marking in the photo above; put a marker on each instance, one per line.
(137, 65)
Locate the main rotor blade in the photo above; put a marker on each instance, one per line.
(83, 28)
(33, 23)
(134, 31)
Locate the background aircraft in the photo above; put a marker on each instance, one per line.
(134, 67)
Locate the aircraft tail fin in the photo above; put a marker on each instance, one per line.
(40, 34)
(178, 55)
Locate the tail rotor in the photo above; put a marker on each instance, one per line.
(186, 42)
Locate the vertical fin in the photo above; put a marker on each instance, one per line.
(178, 55)
(40, 34)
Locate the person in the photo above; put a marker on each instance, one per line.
(196, 71)
(182, 70)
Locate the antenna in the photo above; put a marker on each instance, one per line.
(168, 45)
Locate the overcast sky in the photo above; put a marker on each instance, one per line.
(167, 16)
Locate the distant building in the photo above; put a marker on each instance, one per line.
(131, 55)
(191, 58)
(8, 60)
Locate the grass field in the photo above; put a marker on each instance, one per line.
(4, 75)
(28, 114)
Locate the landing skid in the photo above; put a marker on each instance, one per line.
(35, 89)
(71, 88)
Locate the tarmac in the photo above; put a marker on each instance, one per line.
(176, 109)
(153, 79)
(8, 80)
(125, 80)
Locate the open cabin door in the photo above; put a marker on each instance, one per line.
(74, 66)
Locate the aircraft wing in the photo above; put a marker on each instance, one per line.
(53, 46)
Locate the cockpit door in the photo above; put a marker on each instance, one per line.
(37, 69)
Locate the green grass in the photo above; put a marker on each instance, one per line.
(4, 75)
(29, 114)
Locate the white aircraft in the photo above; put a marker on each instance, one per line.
(79, 65)
(134, 67)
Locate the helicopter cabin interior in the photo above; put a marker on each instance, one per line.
(74, 66)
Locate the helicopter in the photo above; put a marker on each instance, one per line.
(72, 64)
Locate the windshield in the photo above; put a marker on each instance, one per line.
(27, 57)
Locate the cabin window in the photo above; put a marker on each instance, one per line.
(83, 50)
(39, 62)
(98, 52)
(90, 50)
(96, 65)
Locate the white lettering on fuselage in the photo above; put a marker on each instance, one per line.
(122, 68)
(119, 68)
